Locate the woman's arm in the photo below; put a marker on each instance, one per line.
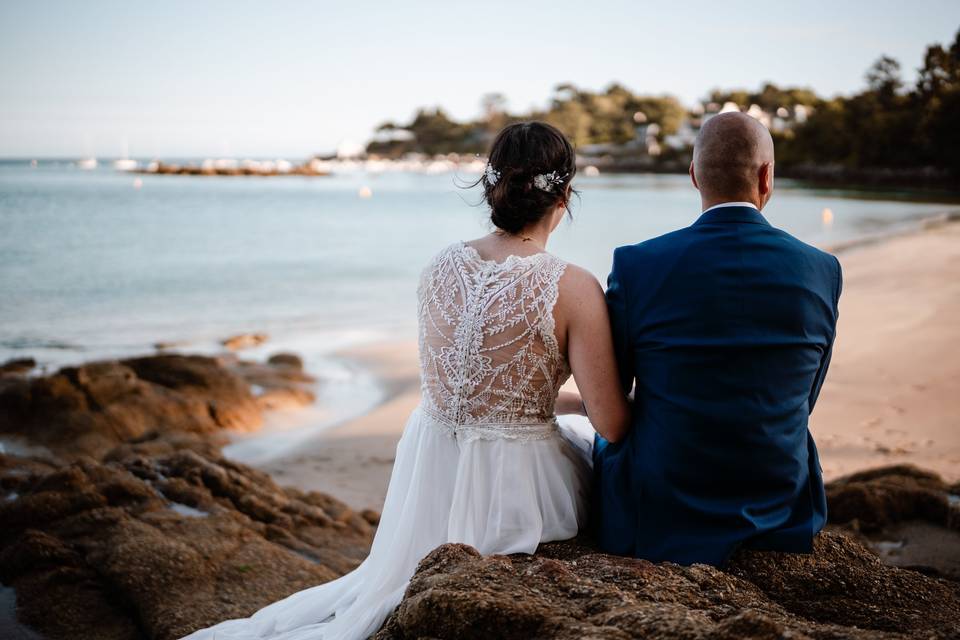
(590, 353)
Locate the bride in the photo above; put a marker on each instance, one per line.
(482, 460)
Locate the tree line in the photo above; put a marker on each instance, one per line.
(889, 124)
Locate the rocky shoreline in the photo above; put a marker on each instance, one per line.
(121, 519)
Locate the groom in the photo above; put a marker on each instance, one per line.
(724, 330)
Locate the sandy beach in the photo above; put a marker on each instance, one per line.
(892, 394)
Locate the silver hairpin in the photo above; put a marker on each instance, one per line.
(547, 181)
(491, 174)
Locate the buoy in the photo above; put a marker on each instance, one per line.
(137, 183)
(365, 192)
(827, 217)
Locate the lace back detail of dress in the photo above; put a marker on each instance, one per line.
(489, 357)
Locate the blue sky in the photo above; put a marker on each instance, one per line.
(207, 78)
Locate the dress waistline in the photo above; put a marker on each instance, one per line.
(494, 430)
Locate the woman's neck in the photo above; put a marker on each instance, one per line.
(523, 240)
(534, 236)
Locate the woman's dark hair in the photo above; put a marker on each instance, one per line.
(519, 154)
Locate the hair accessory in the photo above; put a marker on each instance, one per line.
(544, 181)
(491, 174)
(547, 181)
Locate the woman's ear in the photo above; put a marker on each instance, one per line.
(559, 211)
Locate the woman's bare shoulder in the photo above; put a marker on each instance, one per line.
(579, 287)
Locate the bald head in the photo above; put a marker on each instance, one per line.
(733, 160)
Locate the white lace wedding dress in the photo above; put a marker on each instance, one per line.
(482, 460)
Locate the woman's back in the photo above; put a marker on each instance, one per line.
(490, 359)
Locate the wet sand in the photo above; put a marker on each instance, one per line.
(892, 394)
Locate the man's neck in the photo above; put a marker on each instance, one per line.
(709, 203)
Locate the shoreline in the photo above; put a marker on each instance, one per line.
(353, 459)
(883, 403)
(906, 228)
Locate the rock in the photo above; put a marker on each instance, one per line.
(168, 345)
(89, 410)
(281, 383)
(270, 375)
(17, 367)
(569, 591)
(290, 398)
(287, 360)
(883, 496)
(902, 513)
(158, 546)
(244, 341)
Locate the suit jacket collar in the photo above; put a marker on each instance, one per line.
(732, 214)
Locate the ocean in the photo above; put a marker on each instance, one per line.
(103, 263)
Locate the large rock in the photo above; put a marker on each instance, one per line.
(17, 367)
(157, 546)
(89, 410)
(569, 591)
(870, 500)
(908, 516)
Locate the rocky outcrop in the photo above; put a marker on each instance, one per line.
(165, 537)
(161, 540)
(870, 500)
(842, 590)
(89, 410)
(17, 367)
(280, 383)
(133, 525)
(569, 591)
(907, 516)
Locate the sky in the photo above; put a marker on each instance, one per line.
(289, 79)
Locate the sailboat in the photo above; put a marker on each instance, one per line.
(125, 163)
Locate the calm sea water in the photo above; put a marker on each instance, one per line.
(91, 266)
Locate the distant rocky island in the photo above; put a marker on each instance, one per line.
(122, 519)
(232, 167)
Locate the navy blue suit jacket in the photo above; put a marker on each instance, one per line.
(725, 330)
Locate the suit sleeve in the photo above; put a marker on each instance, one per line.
(828, 354)
(617, 307)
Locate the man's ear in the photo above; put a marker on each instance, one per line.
(765, 182)
(693, 177)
